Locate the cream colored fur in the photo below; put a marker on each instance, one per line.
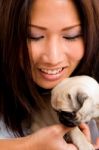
(79, 94)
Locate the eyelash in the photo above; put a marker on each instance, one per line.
(35, 38)
(72, 38)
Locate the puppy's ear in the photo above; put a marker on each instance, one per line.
(81, 97)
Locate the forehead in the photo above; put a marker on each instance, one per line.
(54, 11)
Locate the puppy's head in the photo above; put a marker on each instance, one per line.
(68, 97)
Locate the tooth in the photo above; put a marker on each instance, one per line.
(54, 71)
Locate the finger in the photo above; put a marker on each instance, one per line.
(61, 129)
(85, 129)
(97, 144)
(71, 147)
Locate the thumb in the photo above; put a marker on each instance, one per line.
(61, 129)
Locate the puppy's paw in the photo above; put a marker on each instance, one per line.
(90, 147)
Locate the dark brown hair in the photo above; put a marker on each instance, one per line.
(18, 93)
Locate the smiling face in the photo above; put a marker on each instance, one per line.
(55, 41)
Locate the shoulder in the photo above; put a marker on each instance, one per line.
(5, 133)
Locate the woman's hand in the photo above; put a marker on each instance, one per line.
(50, 138)
(97, 144)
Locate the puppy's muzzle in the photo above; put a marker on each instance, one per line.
(68, 118)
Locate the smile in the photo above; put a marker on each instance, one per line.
(52, 71)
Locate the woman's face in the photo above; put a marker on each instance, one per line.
(55, 41)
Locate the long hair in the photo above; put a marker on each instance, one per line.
(89, 15)
(18, 93)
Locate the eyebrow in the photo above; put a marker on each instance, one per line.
(71, 27)
(66, 28)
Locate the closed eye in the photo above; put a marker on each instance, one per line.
(34, 38)
(72, 38)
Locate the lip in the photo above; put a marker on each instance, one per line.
(52, 77)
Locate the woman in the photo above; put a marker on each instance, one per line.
(41, 43)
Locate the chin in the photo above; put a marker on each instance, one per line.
(47, 85)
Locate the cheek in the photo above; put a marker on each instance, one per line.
(34, 51)
(77, 56)
(77, 51)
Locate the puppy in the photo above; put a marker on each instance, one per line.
(76, 99)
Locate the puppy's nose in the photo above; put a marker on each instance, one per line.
(69, 114)
(67, 118)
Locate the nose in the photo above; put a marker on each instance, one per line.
(67, 114)
(54, 52)
(68, 118)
